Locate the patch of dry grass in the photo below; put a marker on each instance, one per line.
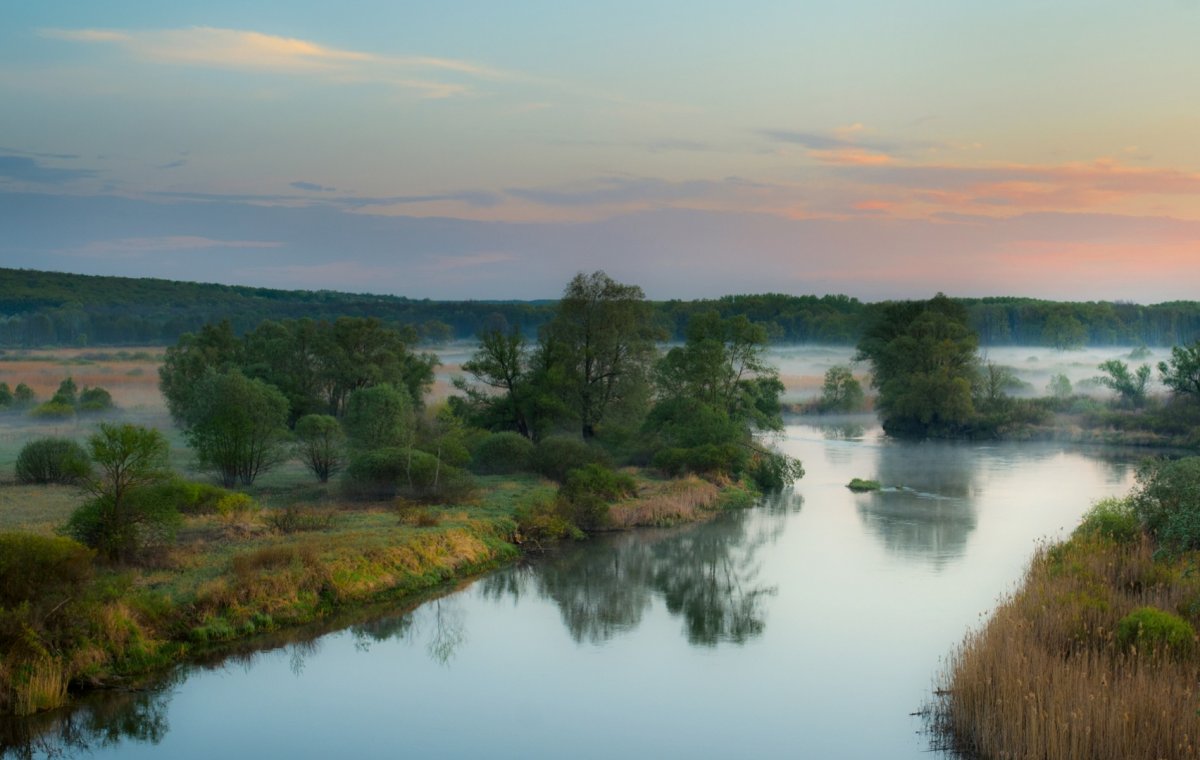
(37, 509)
(664, 503)
(1046, 677)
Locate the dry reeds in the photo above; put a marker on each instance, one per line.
(674, 502)
(1046, 678)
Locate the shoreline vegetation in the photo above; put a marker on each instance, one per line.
(342, 486)
(1095, 653)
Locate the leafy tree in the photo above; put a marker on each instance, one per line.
(501, 363)
(95, 400)
(1064, 331)
(214, 348)
(1181, 373)
(841, 392)
(923, 361)
(1060, 387)
(66, 394)
(320, 444)
(379, 417)
(23, 396)
(603, 339)
(52, 460)
(129, 460)
(236, 425)
(1130, 387)
(6, 396)
(995, 383)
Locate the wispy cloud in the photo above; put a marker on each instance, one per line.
(26, 169)
(173, 164)
(136, 247)
(311, 187)
(213, 47)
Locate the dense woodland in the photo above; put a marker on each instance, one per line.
(44, 309)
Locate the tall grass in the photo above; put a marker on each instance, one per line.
(671, 503)
(1047, 678)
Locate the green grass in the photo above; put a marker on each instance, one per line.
(858, 485)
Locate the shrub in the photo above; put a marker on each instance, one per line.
(590, 490)
(412, 473)
(320, 444)
(6, 396)
(502, 453)
(188, 496)
(66, 394)
(1150, 629)
(95, 400)
(541, 519)
(300, 519)
(1111, 518)
(556, 455)
(53, 410)
(772, 471)
(236, 505)
(374, 474)
(859, 485)
(146, 521)
(52, 460)
(23, 396)
(1168, 502)
(32, 567)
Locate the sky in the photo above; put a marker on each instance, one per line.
(880, 149)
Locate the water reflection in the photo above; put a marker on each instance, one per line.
(706, 574)
(98, 722)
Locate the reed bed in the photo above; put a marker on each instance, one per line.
(1046, 677)
(671, 503)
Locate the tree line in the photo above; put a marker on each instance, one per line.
(40, 309)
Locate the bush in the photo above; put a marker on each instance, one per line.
(52, 411)
(412, 473)
(1168, 502)
(502, 453)
(590, 490)
(1113, 519)
(32, 567)
(6, 396)
(52, 460)
(146, 521)
(23, 396)
(299, 519)
(859, 485)
(556, 455)
(236, 505)
(541, 519)
(772, 471)
(188, 496)
(1150, 629)
(95, 400)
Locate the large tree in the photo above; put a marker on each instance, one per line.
(924, 363)
(603, 338)
(1181, 373)
(236, 425)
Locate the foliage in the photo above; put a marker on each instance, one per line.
(320, 444)
(588, 492)
(125, 515)
(52, 460)
(236, 505)
(298, 519)
(1111, 518)
(1060, 387)
(6, 396)
(1149, 629)
(923, 361)
(602, 338)
(36, 568)
(379, 417)
(841, 392)
(1167, 502)
(774, 470)
(414, 474)
(23, 396)
(53, 410)
(859, 485)
(187, 496)
(236, 425)
(555, 456)
(501, 363)
(1064, 331)
(1181, 373)
(542, 519)
(1130, 387)
(95, 400)
(503, 452)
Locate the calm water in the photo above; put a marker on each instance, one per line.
(810, 626)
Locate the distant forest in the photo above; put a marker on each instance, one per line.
(46, 309)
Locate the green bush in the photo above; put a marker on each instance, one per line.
(6, 396)
(1111, 518)
(66, 394)
(95, 400)
(1149, 629)
(1167, 502)
(236, 504)
(556, 455)
(32, 567)
(590, 490)
(52, 411)
(772, 471)
(412, 473)
(859, 485)
(52, 460)
(148, 522)
(541, 519)
(23, 396)
(188, 496)
(502, 453)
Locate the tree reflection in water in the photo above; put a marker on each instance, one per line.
(105, 720)
(707, 574)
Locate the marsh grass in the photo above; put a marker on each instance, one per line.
(1049, 676)
(670, 502)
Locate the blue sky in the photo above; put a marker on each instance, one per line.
(491, 150)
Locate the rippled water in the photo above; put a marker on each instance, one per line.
(810, 626)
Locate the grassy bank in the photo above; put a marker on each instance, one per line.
(307, 556)
(1093, 656)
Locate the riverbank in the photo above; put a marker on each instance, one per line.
(232, 578)
(1094, 655)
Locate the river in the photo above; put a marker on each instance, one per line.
(810, 626)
